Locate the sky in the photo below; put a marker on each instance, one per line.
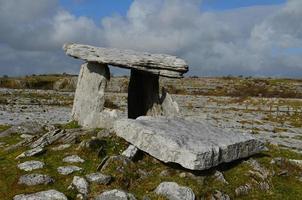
(215, 37)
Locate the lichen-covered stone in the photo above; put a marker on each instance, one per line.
(115, 195)
(31, 165)
(44, 195)
(173, 191)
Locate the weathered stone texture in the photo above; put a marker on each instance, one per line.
(194, 145)
(89, 96)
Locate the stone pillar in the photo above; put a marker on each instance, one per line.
(90, 94)
(143, 94)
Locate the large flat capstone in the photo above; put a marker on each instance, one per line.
(195, 145)
(159, 64)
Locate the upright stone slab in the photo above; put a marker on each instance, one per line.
(195, 145)
(143, 94)
(89, 96)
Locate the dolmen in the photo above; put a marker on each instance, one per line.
(154, 124)
(143, 90)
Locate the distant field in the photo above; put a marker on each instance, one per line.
(216, 86)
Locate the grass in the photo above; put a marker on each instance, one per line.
(4, 127)
(70, 125)
(128, 177)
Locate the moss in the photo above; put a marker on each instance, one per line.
(4, 127)
(69, 125)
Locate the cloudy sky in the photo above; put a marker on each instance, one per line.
(216, 37)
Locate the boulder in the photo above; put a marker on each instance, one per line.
(115, 195)
(173, 191)
(158, 64)
(44, 195)
(31, 165)
(195, 145)
(89, 96)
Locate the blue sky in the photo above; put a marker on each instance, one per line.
(97, 9)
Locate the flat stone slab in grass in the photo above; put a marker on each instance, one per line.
(73, 159)
(66, 170)
(35, 179)
(44, 195)
(115, 195)
(195, 145)
(31, 165)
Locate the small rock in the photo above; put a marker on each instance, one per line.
(123, 161)
(80, 184)
(130, 152)
(219, 196)
(297, 163)
(219, 177)
(26, 136)
(243, 190)
(61, 147)
(31, 165)
(283, 173)
(165, 173)
(98, 178)
(44, 195)
(103, 133)
(31, 152)
(66, 170)
(115, 195)
(35, 179)
(173, 191)
(264, 186)
(73, 159)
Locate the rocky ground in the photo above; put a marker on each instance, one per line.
(43, 155)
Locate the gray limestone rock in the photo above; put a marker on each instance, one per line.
(158, 64)
(89, 97)
(31, 165)
(130, 152)
(98, 178)
(194, 145)
(170, 108)
(173, 191)
(31, 152)
(73, 159)
(220, 177)
(44, 195)
(66, 170)
(80, 184)
(61, 147)
(115, 195)
(48, 138)
(35, 179)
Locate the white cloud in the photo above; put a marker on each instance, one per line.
(237, 41)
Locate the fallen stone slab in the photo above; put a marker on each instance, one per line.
(31, 165)
(158, 64)
(31, 152)
(73, 159)
(115, 195)
(195, 145)
(66, 170)
(35, 179)
(173, 191)
(44, 195)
